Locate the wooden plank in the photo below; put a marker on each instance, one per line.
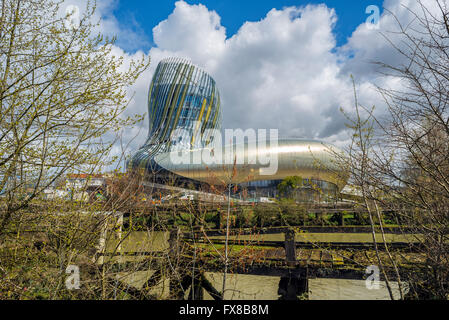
(337, 260)
(316, 255)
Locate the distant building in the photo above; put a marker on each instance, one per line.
(85, 181)
(83, 186)
(52, 193)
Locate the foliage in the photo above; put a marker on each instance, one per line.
(400, 162)
(62, 96)
(289, 185)
(63, 93)
(292, 214)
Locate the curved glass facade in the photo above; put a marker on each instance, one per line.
(311, 190)
(182, 99)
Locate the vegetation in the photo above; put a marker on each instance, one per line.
(62, 96)
(288, 186)
(400, 162)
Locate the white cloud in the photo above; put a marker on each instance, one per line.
(369, 45)
(366, 47)
(279, 72)
(128, 40)
(192, 30)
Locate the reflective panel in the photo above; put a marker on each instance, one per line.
(183, 101)
(291, 157)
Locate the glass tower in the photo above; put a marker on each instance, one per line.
(183, 107)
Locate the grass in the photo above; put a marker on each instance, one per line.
(323, 237)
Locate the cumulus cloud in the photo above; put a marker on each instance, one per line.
(279, 72)
(367, 46)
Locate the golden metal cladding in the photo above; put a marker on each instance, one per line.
(242, 162)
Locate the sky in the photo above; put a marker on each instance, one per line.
(281, 64)
(144, 15)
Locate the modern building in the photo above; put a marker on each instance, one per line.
(182, 98)
(184, 142)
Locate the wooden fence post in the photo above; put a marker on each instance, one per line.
(177, 281)
(173, 242)
(290, 247)
(341, 219)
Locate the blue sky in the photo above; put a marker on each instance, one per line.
(142, 16)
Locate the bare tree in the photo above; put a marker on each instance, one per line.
(358, 161)
(407, 169)
(417, 136)
(62, 96)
